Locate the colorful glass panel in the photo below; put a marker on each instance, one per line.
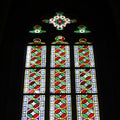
(60, 56)
(82, 29)
(59, 21)
(34, 81)
(83, 55)
(85, 81)
(60, 81)
(33, 107)
(60, 107)
(36, 41)
(59, 40)
(37, 29)
(83, 41)
(36, 56)
(87, 107)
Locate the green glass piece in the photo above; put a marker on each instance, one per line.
(82, 29)
(57, 116)
(37, 29)
(57, 105)
(63, 111)
(85, 115)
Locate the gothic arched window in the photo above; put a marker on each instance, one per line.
(60, 84)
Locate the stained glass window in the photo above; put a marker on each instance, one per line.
(34, 81)
(59, 21)
(85, 81)
(33, 107)
(60, 83)
(87, 107)
(60, 78)
(60, 107)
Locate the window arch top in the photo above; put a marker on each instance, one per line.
(83, 41)
(36, 41)
(60, 40)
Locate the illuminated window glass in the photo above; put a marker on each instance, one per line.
(84, 56)
(60, 78)
(33, 107)
(60, 105)
(85, 81)
(60, 54)
(60, 81)
(36, 56)
(87, 107)
(34, 81)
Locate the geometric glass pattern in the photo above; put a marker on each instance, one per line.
(60, 56)
(60, 107)
(36, 56)
(37, 29)
(82, 29)
(83, 55)
(33, 107)
(34, 81)
(60, 81)
(59, 21)
(87, 107)
(60, 40)
(65, 85)
(85, 80)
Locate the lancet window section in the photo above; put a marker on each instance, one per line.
(34, 81)
(85, 81)
(60, 84)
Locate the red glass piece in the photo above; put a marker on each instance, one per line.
(91, 115)
(62, 96)
(57, 83)
(37, 78)
(57, 111)
(89, 96)
(32, 74)
(63, 115)
(84, 111)
(83, 91)
(36, 105)
(83, 82)
(63, 105)
(88, 78)
(90, 105)
(36, 115)
(63, 86)
(84, 101)
(31, 101)
(36, 96)
(58, 91)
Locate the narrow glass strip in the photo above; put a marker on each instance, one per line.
(60, 56)
(85, 81)
(33, 107)
(60, 107)
(84, 56)
(34, 81)
(60, 81)
(87, 107)
(36, 56)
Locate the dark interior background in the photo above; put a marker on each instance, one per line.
(101, 17)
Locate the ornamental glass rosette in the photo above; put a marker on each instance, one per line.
(59, 21)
